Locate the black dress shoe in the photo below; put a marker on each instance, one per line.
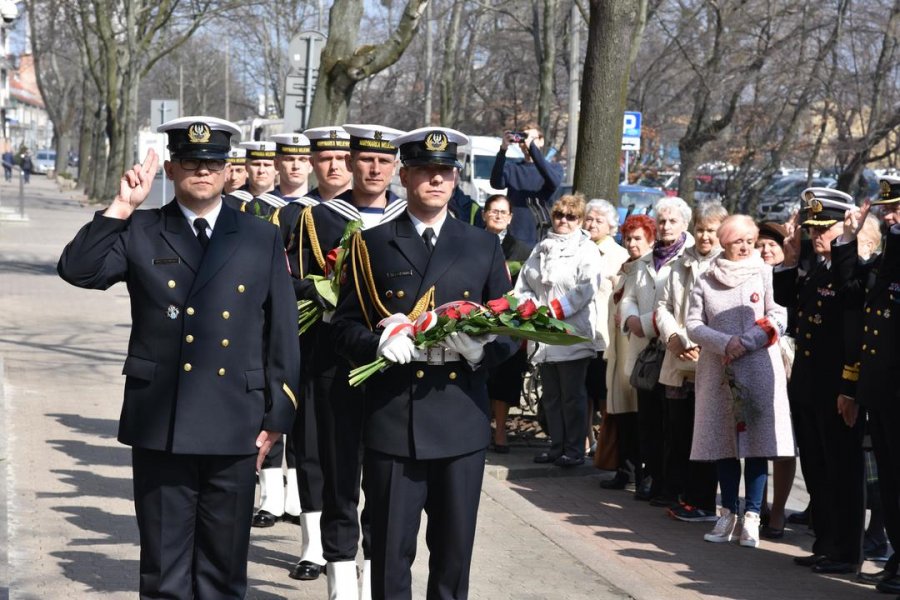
(800, 518)
(545, 458)
(264, 518)
(834, 567)
(294, 519)
(569, 461)
(889, 586)
(808, 561)
(875, 578)
(616, 483)
(306, 571)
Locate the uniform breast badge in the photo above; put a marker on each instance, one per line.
(172, 312)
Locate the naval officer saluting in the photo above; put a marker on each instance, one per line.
(212, 368)
(427, 421)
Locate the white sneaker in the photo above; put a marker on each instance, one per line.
(724, 529)
(750, 530)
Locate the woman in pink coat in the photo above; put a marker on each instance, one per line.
(742, 408)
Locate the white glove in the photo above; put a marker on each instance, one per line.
(395, 344)
(472, 349)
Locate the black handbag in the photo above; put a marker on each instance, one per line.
(645, 374)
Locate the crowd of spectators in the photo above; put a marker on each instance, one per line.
(720, 306)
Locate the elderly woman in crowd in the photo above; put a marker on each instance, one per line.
(638, 235)
(694, 482)
(639, 320)
(742, 407)
(601, 221)
(563, 272)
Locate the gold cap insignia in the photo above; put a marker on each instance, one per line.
(815, 206)
(436, 141)
(885, 190)
(332, 134)
(199, 133)
(296, 139)
(378, 135)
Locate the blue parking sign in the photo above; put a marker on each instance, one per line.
(632, 126)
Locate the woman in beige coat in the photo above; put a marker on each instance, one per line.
(638, 235)
(639, 320)
(693, 482)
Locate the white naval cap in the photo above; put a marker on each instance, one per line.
(236, 156)
(372, 138)
(290, 144)
(199, 137)
(322, 139)
(259, 150)
(825, 206)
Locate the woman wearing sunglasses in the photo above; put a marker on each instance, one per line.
(563, 272)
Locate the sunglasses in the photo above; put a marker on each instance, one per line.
(559, 215)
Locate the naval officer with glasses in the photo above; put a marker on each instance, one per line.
(212, 371)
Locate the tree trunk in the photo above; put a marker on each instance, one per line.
(612, 27)
(343, 65)
(547, 65)
(450, 100)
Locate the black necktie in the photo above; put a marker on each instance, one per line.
(427, 236)
(200, 225)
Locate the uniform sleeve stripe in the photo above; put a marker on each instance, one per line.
(289, 394)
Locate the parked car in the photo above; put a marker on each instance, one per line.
(638, 197)
(44, 161)
(782, 197)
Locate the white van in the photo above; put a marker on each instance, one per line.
(477, 158)
(44, 161)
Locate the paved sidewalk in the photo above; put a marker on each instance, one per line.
(70, 530)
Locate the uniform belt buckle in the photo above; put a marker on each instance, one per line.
(434, 355)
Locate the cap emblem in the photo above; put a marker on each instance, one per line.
(436, 141)
(199, 133)
(378, 135)
(296, 139)
(815, 206)
(333, 134)
(885, 190)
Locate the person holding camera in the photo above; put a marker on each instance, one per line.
(529, 184)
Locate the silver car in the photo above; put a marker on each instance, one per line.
(782, 198)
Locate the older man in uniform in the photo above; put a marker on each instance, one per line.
(831, 452)
(872, 381)
(338, 407)
(212, 366)
(427, 421)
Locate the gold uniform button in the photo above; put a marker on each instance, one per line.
(225, 343)
(868, 310)
(865, 346)
(171, 283)
(465, 295)
(190, 310)
(875, 332)
(401, 293)
(819, 303)
(241, 289)
(189, 339)
(389, 294)
(872, 351)
(865, 328)
(187, 366)
(878, 312)
(452, 375)
(420, 374)
(806, 353)
(221, 372)
(809, 336)
(226, 314)
(800, 313)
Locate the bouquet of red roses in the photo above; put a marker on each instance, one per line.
(503, 316)
(328, 286)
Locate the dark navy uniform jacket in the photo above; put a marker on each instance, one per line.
(213, 356)
(418, 410)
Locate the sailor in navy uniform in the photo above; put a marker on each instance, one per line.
(279, 494)
(872, 382)
(427, 421)
(292, 152)
(263, 201)
(338, 407)
(212, 367)
(330, 162)
(237, 174)
(831, 453)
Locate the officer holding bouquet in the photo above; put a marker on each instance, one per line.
(428, 417)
